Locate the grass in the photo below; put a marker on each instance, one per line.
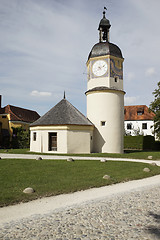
(135, 154)
(53, 177)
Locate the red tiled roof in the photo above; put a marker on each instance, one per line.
(21, 114)
(137, 112)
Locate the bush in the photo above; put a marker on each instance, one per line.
(157, 145)
(20, 138)
(148, 143)
(133, 142)
(141, 143)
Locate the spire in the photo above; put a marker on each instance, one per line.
(103, 28)
(64, 95)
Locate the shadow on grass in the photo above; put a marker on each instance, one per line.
(154, 230)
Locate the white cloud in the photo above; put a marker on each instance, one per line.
(36, 93)
(130, 100)
(150, 72)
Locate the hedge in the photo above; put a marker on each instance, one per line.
(141, 143)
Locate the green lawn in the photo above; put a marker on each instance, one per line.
(53, 177)
(135, 154)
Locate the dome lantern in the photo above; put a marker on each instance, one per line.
(103, 28)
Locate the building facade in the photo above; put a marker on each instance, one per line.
(138, 120)
(12, 117)
(63, 129)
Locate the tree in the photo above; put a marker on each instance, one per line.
(155, 107)
(20, 138)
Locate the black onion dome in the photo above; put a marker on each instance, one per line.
(105, 48)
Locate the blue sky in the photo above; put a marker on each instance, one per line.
(44, 46)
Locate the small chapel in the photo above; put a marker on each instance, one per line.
(64, 129)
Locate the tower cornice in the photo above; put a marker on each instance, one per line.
(104, 89)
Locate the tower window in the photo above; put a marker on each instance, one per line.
(129, 126)
(140, 111)
(103, 123)
(116, 79)
(144, 125)
(34, 136)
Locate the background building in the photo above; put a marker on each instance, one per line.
(138, 120)
(13, 117)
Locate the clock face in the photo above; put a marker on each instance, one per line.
(99, 68)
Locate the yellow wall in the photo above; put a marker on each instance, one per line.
(7, 124)
(5, 121)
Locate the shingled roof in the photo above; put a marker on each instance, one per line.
(137, 112)
(20, 114)
(64, 113)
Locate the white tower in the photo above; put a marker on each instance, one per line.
(105, 95)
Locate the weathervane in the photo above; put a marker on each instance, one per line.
(104, 11)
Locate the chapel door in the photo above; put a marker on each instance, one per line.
(52, 141)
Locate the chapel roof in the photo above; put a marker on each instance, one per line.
(137, 112)
(63, 113)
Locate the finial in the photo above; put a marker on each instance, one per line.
(104, 12)
(64, 95)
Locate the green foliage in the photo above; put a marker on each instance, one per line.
(157, 145)
(133, 142)
(6, 142)
(148, 143)
(155, 107)
(53, 177)
(140, 142)
(20, 138)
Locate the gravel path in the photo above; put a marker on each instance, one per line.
(123, 216)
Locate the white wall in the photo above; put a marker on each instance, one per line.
(79, 141)
(42, 142)
(137, 126)
(107, 106)
(118, 85)
(98, 82)
(72, 139)
(35, 145)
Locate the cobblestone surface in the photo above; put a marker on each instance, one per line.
(134, 215)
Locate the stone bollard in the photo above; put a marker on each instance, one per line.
(146, 170)
(103, 160)
(70, 160)
(38, 158)
(28, 190)
(106, 177)
(153, 164)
